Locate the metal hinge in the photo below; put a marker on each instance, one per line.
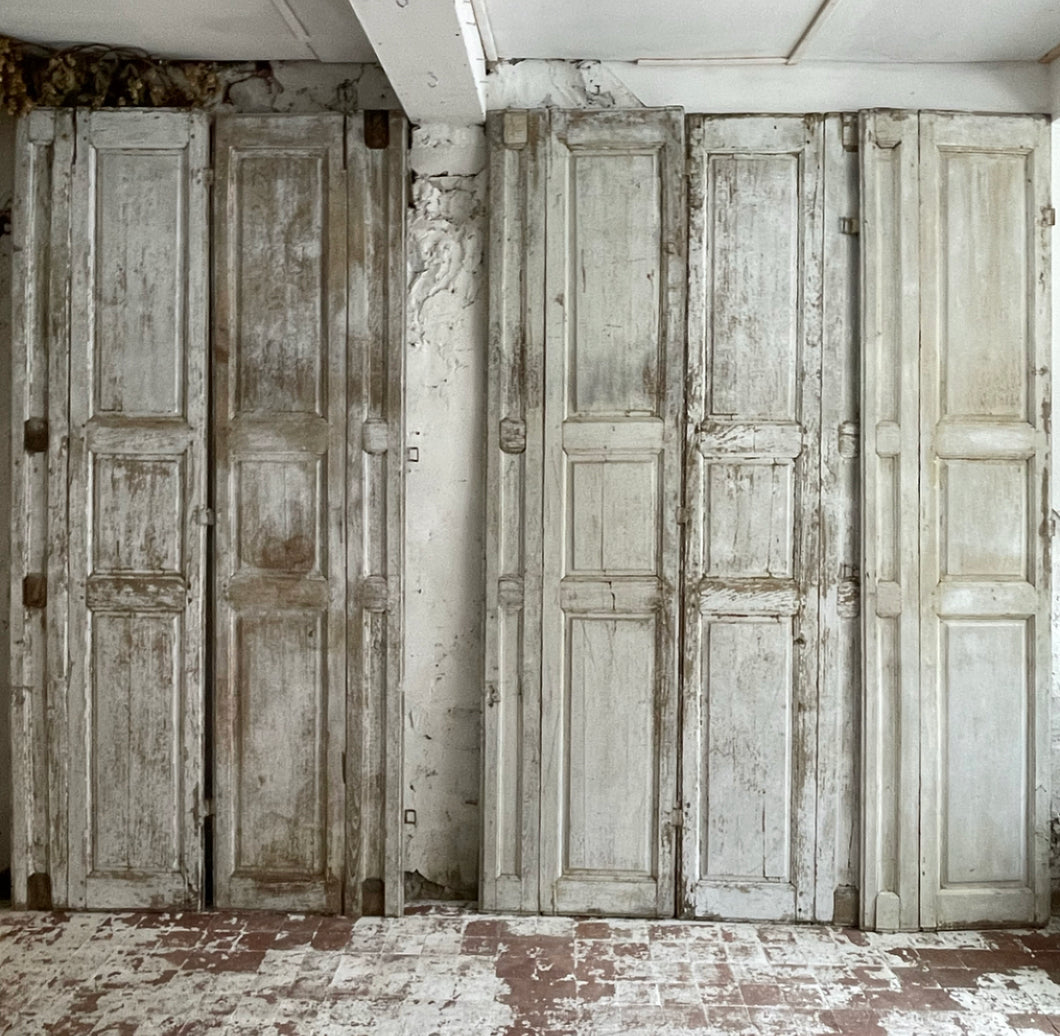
(516, 131)
(35, 435)
(1048, 216)
(682, 515)
(849, 132)
(208, 176)
(207, 808)
(377, 130)
(849, 225)
(677, 817)
(343, 767)
(35, 590)
(204, 516)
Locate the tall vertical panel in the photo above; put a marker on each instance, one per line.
(613, 408)
(40, 364)
(511, 780)
(280, 430)
(985, 639)
(137, 483)
(375, 436)
(890, 320)
(753, 494)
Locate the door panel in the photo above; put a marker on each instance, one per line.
(985, 655)
(753, 495)
(613, 400)
(280, 428)
(137, 485)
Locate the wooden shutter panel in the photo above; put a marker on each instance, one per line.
(956, 519)
(613, 407)
(280, 431)
(511, 761)
(752, 541)
(40, 368)
(984, 519)
(137, 485)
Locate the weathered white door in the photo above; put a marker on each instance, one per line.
(279, 368)
(613, 407)
(752, 538)
(138, 329)
(962, 631)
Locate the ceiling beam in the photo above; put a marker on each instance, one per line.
(1050, 56)
(824, 12)
(432, 54)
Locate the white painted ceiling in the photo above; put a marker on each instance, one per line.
(328, 30)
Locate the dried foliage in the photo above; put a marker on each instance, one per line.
(98, 76)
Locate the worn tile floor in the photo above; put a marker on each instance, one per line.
(449, 971)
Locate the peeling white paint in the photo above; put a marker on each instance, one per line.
(446, 363)
(558, 84)
(7, 176)
(306, 86)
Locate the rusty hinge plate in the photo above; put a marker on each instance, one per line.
(35, 435)
(377, 130)
(35, 590)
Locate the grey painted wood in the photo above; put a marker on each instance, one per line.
(376, 184)
(752, 488)
(138, 332)
(511, 745)
(613, 406)
(955, 402)
(984, 519)
(279, 364)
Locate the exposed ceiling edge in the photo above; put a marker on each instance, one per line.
(817, 23)
(809, 86)
(432, 54)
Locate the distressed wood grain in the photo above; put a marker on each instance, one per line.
(279, 358)
(138, 347)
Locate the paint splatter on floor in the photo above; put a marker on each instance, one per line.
(448, 971)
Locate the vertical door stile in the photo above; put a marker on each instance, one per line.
(511, 786)
(890, 333)
(39, 370)
(613, 365)
(838, 710)
(280, 426)
(374, 521)
(137, 482)
(984, 516)
(753, 468)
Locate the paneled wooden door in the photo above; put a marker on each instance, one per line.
(957, 519)
(621, 777)
(279, 396)
(137, 493)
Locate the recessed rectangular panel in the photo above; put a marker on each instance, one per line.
(985, 312)
(986, 697)
(615, 283)
(753, 284)
(747, 750)
(750, 525)
(610, 749)
(138, 521)
(282, 739)
(282, 236)
(140, 257)
(613, 516)
(278, 515)
(985, 518)
(135, 743)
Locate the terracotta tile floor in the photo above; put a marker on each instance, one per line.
(448, 971)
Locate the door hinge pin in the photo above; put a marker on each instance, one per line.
(849, 225)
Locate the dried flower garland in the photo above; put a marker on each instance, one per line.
(97, 76)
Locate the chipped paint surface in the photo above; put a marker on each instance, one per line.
(450, 972)
(444, 501)
(557, 84)
(7, 175)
